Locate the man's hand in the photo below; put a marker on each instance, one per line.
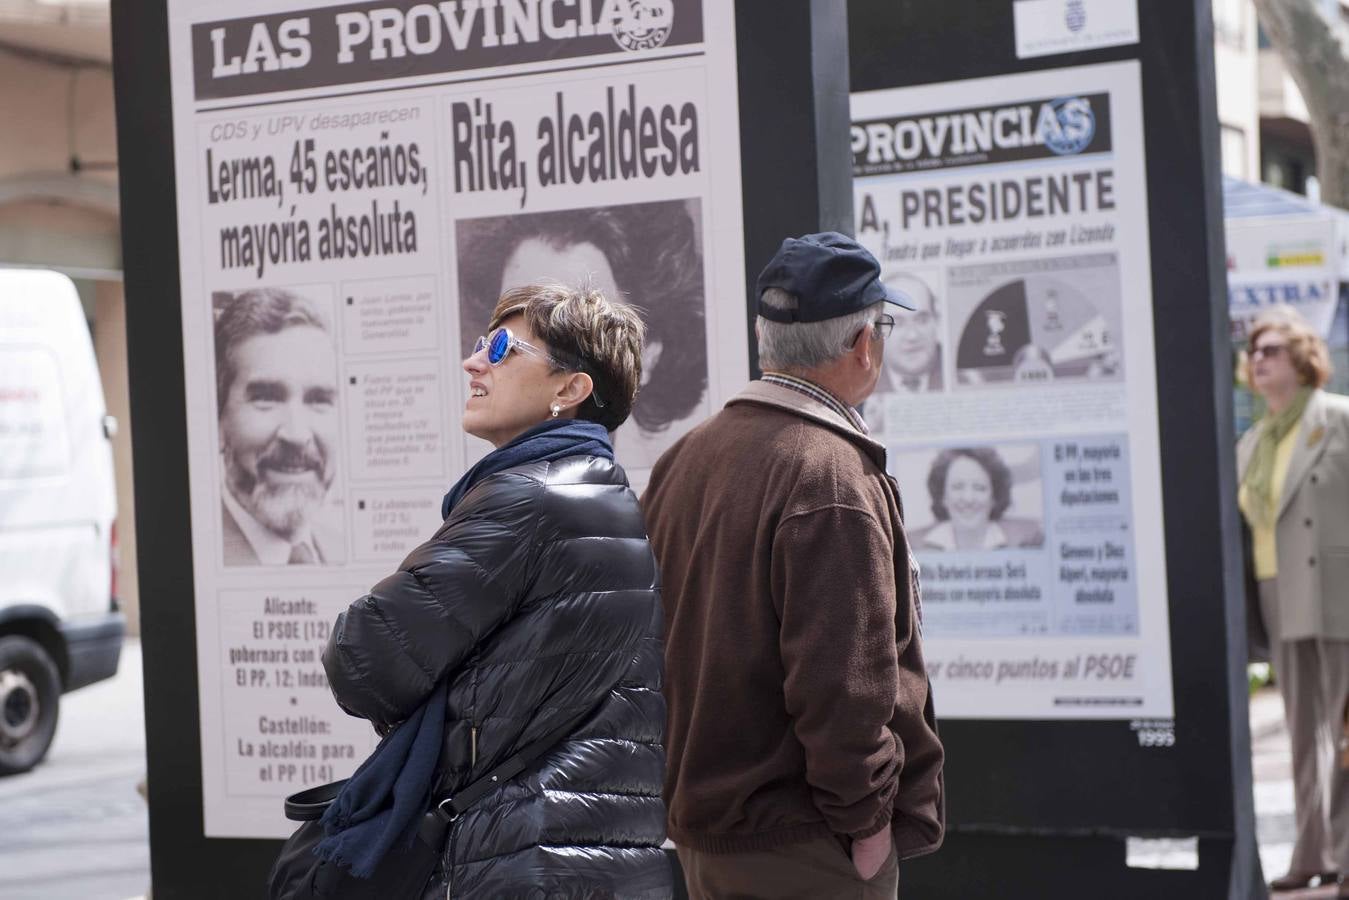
(869, 854)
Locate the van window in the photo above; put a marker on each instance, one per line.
(34, 442)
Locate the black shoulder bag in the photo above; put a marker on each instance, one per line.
(298, 874)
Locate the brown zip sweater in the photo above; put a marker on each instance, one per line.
(798, 702)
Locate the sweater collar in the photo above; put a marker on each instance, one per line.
(768, 394)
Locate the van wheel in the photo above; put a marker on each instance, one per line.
(30, 691)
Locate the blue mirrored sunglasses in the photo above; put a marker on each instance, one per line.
(501, 342)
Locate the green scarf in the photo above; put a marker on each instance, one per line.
(1259, 478)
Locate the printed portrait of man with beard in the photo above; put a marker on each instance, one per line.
(276, 397)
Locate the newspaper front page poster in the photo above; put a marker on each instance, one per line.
(1018, 403)
(356, 185)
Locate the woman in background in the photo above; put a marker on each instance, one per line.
(1293, 467)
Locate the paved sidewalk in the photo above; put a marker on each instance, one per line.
(74, 828)
(1272, 762)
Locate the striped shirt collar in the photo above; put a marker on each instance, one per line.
(819, 394)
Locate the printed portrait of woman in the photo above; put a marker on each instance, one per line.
(971, 493)
(645, 254)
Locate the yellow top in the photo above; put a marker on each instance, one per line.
(1262, 539)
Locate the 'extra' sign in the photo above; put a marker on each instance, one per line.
(1315, 299)
(1036, 129)
(1261, 295)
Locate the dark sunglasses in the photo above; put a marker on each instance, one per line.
(1268, 351)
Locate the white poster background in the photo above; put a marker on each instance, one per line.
(1014, 631)
(269, 725)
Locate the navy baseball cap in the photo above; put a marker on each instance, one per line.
(830, 274)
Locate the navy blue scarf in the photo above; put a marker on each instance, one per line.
(382, 803)
(550, 440)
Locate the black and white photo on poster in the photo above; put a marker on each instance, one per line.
(645, 254)
(976, 523)
(972, 497)
(277, 400)
(1037, 320)
(1020, 537)
(914, 357)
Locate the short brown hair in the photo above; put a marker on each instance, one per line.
(1306, 350)
(580, 325)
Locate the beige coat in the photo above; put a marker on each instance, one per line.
(1312, 531)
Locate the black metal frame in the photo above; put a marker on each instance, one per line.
(795, 175)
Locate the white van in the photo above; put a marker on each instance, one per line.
(60, 627)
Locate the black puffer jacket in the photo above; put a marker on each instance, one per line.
(539, 598)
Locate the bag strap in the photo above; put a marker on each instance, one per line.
(309, 805)
(456, 804)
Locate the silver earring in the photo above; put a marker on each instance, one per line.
(556, 409)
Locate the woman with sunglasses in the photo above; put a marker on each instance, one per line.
(1293, 466)
(533, 609)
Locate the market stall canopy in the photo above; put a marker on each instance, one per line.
(1243, 200)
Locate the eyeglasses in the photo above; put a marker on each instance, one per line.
(880, 329)
(883, 325)
(1268, 351)
(500, 342)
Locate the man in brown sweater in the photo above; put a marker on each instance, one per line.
(802, 751)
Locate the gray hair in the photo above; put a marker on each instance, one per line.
(805, 345)
(247, 314)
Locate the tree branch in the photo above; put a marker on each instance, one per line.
(1314, 51)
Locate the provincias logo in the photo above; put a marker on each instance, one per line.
(389, 32)
(401, 39)
(1059, 126)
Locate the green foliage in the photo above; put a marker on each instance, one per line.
(1258, 675)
